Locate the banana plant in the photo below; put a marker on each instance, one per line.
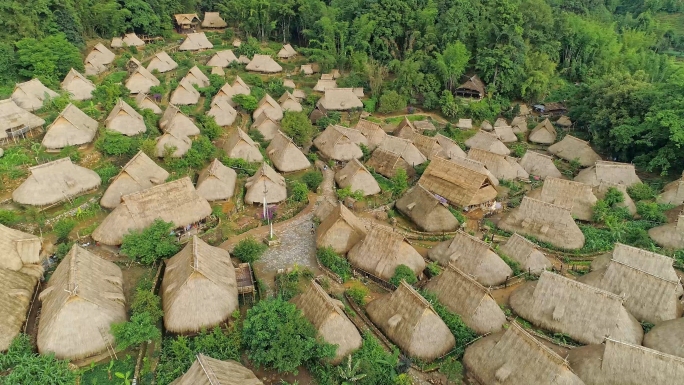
(125, 377)
(350, 374)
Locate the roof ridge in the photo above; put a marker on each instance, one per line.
(584, 286)
(469, 278)
(551, 205)
(661, 256)
(639, 347)
(415, 294)
(56, 161)
(560, 360)
(644, 272)
(538, 154)
(576, 138)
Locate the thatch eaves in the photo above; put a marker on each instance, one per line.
(287, 52)
(450, 149)
(173, 144)
(224, 114)
(98, 59)
(464, 124)
(175, 121)
(540, 165)
(218, 71)
(340, 229)
(216, 182)
(196, 77)
(71, 128)
(505, 134)
(667, 337)
(424, 125)
(307, 69)
(574, 196)
(355, 176)
(564, 122)
(32, 94)
(544, 133)
(265, 183)
(195, 42)
(19, 249)
(386, 163)
(263, 64)
(240, 146)
(472, 88)
(459, 185)
(162, 62)
(427, 145)
(213, 20)
(16, 119)
(372, 131)
(673, 193)
(325, 84)
(270, 107)
(225, 93)
(285, 155)
(610, 172)
(571, 148)
(16, 293)
(405, 129)
(141, 81)
(405, 148)
(138, 174)
(55, 182)
(132, 40)
(144, 101)
(185, 94)
(186, 19)
(289, 102)
(502, 167)
(339, 99)
(489, 142)
(426, 211)
(340, 143)
(485, 125)
(519, 125)
(526, 254)
(240, 87)
(78, 86)
(209, 371)
(126, 120)
(268, 127)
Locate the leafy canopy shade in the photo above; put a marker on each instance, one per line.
(151, 244)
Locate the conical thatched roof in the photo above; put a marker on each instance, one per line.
(162, 62)
(325, 84)
(222, 59)
(339, 99)
(266, 126)
(571, 148)
(628, 203)
(129, 39)
(501, 122)
(289, 83)
(489, 142)
(472, 88)
(71, 128)
(240, 87)
(174, 121)
(382, 251)
(196, 77)
(32, 94)
(117, 42)
(324, 207)
(213, 20)
(424, 125)
(218, 71)
(240, 146)
(372, 131)
(546, 222)
(16, 293)
(465, 124)
(78, 85)
(505, 134)
(450, 149)
(667, 337)
(226, 94)
(544, 133)
(270, 107)
(426, 211)
(195, 42)
(427, 145)
(172, 140)
(519, 125)
(141, 81)
(243, 59)
(55, 182)
(539, 165)
(619, 363)
(307, 69)
(485, 125)
(138, 174)
(265, 182)
(564, 121)
(285, 155)
(673, 193)
(405, 148)
(463, 295)
(185, 94)
(15, 118)
(386, 163)
(340, 143)
(199, 289)
(502, 167)
(355, 176)
(19, 249)
(83, 298)
(514, 357)
(526, 254)
(208, 371)
(124, 119)
(290, 103)
(98, 59)
(562, 305)
(460, 185)
(144, 101)
(286, 52)
(646, 261)
(224, 114)
(216, 182)
(263, 64)
(574, 196)
(610, 172)
(405, 129)
(407, 319)
(186, 19)
(340, 229)
(475, 166)
(176, 202)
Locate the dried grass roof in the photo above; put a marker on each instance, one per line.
(465, 124)
(141, 80)
(610, 172)
(487, 141)
(526, 254)
(171, 143)
(240, 87)
(216, 182)
(175, 121)
(78, 85)
(372, 131)
(505, 134)
(485, 125)
(628, 203)
(519, 125)
(426, 211)
(32, 94)
(185, 94)
(286, 52)
(18, 249)
(266, 126)
(71, 128)
(195, 76)
(667, 337)
(355, 176)
(270, 107)
(340, 229)
(339, 99)
(263, 64)
(132, 40)
(288, 102)
(162, 62)
(13, 117)
(138, 174)
(450, 149)
(16, 293)
(670, 235)
(266, 182)
(427, 145)
(539, 165)
(564, 121)
(673, 193)
(224, 114)
(240, 146)
(544, 133)
(125, 119)
(502, 167)
(98, 59)
(460, 185)
(473, 84)
(209, 371)
(195, 42)
(571, 148)
(424, 125)
(387, 163)
(405, 148)
(213, 20)
(285, 155)
(340, 143)
(574, 196)
(186, 18)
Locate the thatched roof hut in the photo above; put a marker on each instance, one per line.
(372, 131)
(185, 94)
(270, 107)
(407, 319)
(177, 202)
(472, 88)
(173, 142)
(426, 211)
(15, 120)
(519, 125)
(485, 125)
(450, 149)
(324, 207)
(124, 119)
(355, 176)
(540, 165)
(16, 293)
(32, 94)
(325, 84)
(78, 86)
(186, 21)
(563, 305)
(218, 71)
(162, 62)
(264, 64)
(463, 295)
(243, 59)
(289, 102)
(501, 122)
(226, 94)
(195, 42)
(460, 185)
(610, 172)
(71, 128)
(382, 251)
(519, 249)
(464, 124)
(240, 87)
(405, 129)
(386, 163)
(546, 222)
(667, 337)
(196, 77)
(339, 99)
(266, 126)
(144, 101)
(209, 371)
(544, 133)
(286, 52)
(427, 145)
(424, 125)
(307, 69)
(405, 148)
(129, 40)
(646, 261)
(289, 83)
(285, 155)
(340, 143)
(240, 146)
(98, 59)
(673, 193)
(505, 134)
(574, 196)
(175, 121)
(473, 257)
(516, 357)
(224, 114)
(83, 298)
(564, 122)
(502, 167)
(213, 20)
(216, 182)
(619, 363)
(265, 183)
(669, 235)
(475, 166)
(340, 229)
(138, 174)
(19, 249)
(55, 182)
(489, 142)
(199, 289)
(571, 148)
(141, 81)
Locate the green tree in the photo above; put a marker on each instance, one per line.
(151, 244)
(403, 273)
(48, 59)
(297, 126)
(249, 250)
(139, 329)
(399, 182)
(247, 102)
(451, 63)
(299, 191)
(391, 101)
(448, 104)
(313, 179)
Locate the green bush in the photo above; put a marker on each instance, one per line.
(249, 250)
(298, 126)
(114, 143)
(20, 365)
(208, 127)
(399, 182)
(106, 172)
(391, 101)
(151, 244)
(641, 191)
(338, 265)
(247, 102)
(403, 273)
(358, 294)
(369, 105)
(513, 264)
(139, 329)
(344, 193)
(378, 365)
(8, 217)
(145, 301)
(651, 211)
(433, 268)
(300, 193)
(63, 227)
(313, 179)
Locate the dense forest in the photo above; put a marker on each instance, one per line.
(617, 64)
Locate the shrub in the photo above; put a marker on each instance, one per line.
(519, 149)
(300, 192)
(641, 191)
(8, 217)
(344, 193)
(378, 365)
(452, 369)
(358, 293)
(297, 126)
(114, 143)
(391, 101)
(338, 265)
(63, 227)
(139, 329)
(369, 105)
(313, 179)
(151, 244)
(399, 182)
(20, 365)
(106, 172)
(651, 211)
(145, 301)
(247, 102)
(513, 264)
(403, 273)
(208, 127)
(249, 250)
(433, 269)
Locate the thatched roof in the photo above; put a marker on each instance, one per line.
(270, 107)
(286, 52)
(465, 124)
(32, 94)
(324, 207)
(372, 131)
(382, 251)
(325, 84)
(489, 142)
(355, 176)
(501, 122)
(460, 185)
(340, 229)
(265, 182)
(224, 114)
(667, 337)
(450, 149)
(424, 125)
(475, 166)
(117, 42)
(172, 140)
(213, 20)
(526, 254)
(55, 182)
(185, 94)
(162, 62)
(563, 305)
(195, 42)
(670, 235)
(138, 174)
(71, 128)
(98, 59)
(141, 81)
(339, 99)
(358, 91)
(266, 126)
(514, 357)
(544, 133)
(19, 249)
(177, 202)
(426, 211)
(628, 203)
(405, 148)
(199, 289)
(539, 165)
(505, 134)
(386, 163)
(124, 119)
(574, 196)
(240, 146)
(186, 18)
(427, 145)
(216, 182)
(307, 69)
(611, 172)
(328, 76)
(473, 87)
(405, 129)
(502, 167)
(285, 155)
(407, 319)
(647, 261)
(340, 143)
(83, 298)
(175, 121)
(289, 102)
(564, 121)
(289, 83)
(519, 125)
(237, 42)
(129, 40)
(78, 86)
(208, 371)
(673, 193)
(240, 87)
(196, 77)
(15, 118)
(546, 222)
(226, 94)
(463, 295)
(524, 110)
(218, 71)
(144, 101)
(619, 363)
(571, 148)
(263, 64)
(485, 125)
(16, 293)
